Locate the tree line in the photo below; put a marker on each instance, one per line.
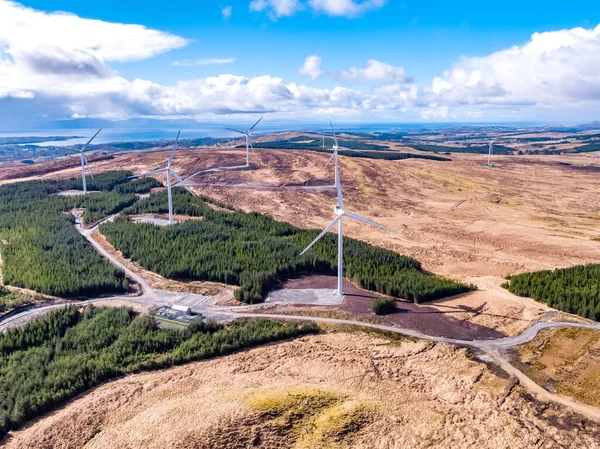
(67, 352)
(42, 250)
(573, 290)
(254, 252)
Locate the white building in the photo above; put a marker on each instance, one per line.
(181, 308)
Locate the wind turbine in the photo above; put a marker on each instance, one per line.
(85, 163)
(341, 213)
(248, 135)
(169, 172)
(490, 154)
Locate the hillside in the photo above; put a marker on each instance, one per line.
(339, 390)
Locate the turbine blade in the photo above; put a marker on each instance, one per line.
(174, 148)
(154, 172)
(235, 131)
(90, 141)
(252, 129)
(183, 183)
(93, 137)
(334, 136)
(338, 185)
(334, 154)
(372, 223)
(325, 231)
(88, 165)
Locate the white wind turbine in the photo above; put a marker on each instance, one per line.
(85, 163)
(248, 135)
(169, 172)
(490, 154)
(341, 213)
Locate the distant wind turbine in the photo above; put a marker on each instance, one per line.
(248, 135)
(85, 163)
(169, 172)
(490, 154)
(341, 213)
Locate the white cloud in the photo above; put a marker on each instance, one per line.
(276, 8)
(199, 62)
(333, 8)
(374, 71)
(345, 8)
(57, 65)
(440, 112)
(312, 67)
(553, 67)
(226, 11)
(42, 52)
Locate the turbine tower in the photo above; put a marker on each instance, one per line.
(248, 135)
(169, 172)
(85, 163)
(490, 153)
(341, 212)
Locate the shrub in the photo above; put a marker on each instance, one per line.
(383, 306)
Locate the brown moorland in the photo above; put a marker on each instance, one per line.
(338, 390)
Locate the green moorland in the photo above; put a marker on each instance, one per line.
(573, 290)
(41, 249)
(68, 352)
(254, 252)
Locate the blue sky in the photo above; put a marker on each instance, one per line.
(465, 45)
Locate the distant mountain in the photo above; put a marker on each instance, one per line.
(91, 123)
(86, 123)
(574, 129)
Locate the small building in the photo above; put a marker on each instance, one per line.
(181, 308)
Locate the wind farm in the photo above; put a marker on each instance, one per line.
(398, 195)
(172, 275)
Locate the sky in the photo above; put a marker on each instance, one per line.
(301, 60)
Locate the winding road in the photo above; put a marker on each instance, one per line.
(489, 350)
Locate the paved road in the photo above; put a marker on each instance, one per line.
(491, 348)
(483, 345)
